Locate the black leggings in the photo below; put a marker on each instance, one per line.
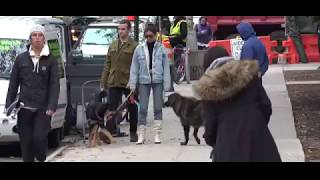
(33, 129)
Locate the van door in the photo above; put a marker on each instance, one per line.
(87, 60)
(55, 49)
(64, 40)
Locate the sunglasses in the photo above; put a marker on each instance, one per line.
(149, 36)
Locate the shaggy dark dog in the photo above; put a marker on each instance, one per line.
(189, 111)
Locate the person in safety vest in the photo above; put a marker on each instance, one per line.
(178, 31)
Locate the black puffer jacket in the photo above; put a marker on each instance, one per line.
(37, 89)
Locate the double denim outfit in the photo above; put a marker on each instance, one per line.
(150, 72)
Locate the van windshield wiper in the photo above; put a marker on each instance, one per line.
(94, 44)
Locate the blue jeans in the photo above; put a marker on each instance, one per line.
(144, 94)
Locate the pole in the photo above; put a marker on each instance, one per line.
(190, 46)
(187, 67)
(160, 29)
(136, 28)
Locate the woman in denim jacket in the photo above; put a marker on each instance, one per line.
(149, 70)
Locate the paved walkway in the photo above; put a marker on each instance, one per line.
(281, 126)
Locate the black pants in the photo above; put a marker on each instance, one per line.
(115, 97)
(171, 77)
(33, 129)
(300, 49)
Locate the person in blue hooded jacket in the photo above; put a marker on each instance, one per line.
(253, 47)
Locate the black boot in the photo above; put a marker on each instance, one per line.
(133, 137)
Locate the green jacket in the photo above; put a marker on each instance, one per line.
(117, 67)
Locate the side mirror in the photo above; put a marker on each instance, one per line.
(76, 55)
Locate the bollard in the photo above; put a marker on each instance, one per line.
(282, 59)
(187, 68)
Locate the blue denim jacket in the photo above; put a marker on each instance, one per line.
(140, 72)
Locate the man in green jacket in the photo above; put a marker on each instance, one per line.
(115, 76)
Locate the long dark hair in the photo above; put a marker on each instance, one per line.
(213, 54)
(150, 27)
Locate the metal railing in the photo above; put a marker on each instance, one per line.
(84, 120)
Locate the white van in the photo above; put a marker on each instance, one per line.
(14, 36)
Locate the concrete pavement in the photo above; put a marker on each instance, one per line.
(169, 150)
(282, 121)
(281, 126)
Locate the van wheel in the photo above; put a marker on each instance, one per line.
(54, 138)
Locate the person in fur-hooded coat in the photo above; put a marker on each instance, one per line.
(236, 111)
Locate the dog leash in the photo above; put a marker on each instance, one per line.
(118, 108)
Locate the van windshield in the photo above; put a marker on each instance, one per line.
(9, 50)
(96, 41)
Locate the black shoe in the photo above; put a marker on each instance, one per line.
(133, 137)
(120, 134)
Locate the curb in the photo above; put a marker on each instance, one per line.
(55, 153)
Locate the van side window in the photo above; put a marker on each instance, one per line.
(62, 40)
(9, 50)
(55, 50)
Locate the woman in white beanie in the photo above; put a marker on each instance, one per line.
(36, 73)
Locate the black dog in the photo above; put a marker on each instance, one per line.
(189, 111)
(96, 114)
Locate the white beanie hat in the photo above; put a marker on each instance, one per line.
(37, 28)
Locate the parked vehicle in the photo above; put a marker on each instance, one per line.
(14, 36)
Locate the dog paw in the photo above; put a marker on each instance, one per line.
(183, 143)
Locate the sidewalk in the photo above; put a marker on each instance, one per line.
(282, 121)
(281, 125)
(123, 150)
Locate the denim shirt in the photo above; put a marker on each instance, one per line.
(140, 72)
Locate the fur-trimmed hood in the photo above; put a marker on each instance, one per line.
(226, 81)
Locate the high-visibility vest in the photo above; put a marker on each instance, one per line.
(175, 30)
(167, 46)
(162, 37)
